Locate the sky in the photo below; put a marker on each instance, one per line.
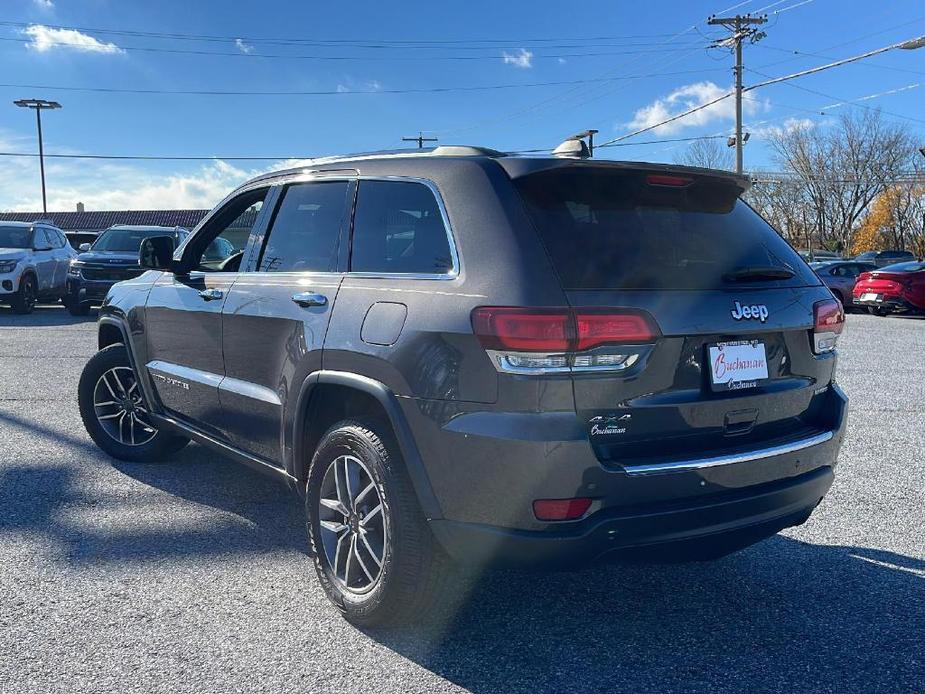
(513, 75)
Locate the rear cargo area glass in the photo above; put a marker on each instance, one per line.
(608, 229)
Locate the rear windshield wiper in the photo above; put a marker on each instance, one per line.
(758, 273)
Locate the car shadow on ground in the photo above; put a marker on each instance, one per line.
(783, 615)
(43, 316)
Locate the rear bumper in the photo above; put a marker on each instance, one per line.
(704, 506)
(888, 302)
(708, 527)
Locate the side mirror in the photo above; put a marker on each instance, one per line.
(84, 247)
(156, 253)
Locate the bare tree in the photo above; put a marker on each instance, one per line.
(708, 154)
(842, 169)
(782, 202)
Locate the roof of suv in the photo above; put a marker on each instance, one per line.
(514, 164)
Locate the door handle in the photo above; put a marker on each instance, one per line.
(310, 299)
(211, 294)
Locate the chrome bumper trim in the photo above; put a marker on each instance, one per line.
(732, 459)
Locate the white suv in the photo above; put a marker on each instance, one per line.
(34, 258)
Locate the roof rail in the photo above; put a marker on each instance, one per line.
(465, 151)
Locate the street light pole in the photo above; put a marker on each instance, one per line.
(38, 105)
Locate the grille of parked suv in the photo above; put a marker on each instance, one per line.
(110, 273)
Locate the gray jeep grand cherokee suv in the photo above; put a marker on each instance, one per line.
(460, 356)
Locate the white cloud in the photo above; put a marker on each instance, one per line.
(45, 4)
(562, 61)
(118, 185)
(685, 98)
(243, 47)
(45, 39)
(522, 58)
(352, 85)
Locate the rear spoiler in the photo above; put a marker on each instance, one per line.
(518, 167)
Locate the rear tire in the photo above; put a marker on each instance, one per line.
(115, 412)
(415, 578)
(23, 301)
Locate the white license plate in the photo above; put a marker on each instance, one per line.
(870, 297)
(737, 365)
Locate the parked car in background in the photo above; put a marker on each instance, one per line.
(460, 355)
(819, 256)
(884, 258)
(840, 276)
(894, 288)
(111, 258)
(34, 258)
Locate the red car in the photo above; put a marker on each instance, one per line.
(898, 287)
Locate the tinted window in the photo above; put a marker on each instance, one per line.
(15, 237)
(54, 240)
(122, 240)
(612, 230)
(306, 230)
(39, 240)
(398, 228)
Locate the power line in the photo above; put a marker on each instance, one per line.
(287, 56)
(146, 157)
(341, 92)
(848, 102)
(505, 42)
(909, 43)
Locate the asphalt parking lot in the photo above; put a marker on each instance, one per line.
(193, 575)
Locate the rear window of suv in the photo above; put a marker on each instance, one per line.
(613, 230)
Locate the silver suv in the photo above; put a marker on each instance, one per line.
(34, 258)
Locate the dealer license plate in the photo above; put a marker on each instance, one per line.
(737, 365)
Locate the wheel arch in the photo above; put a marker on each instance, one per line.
(327, 397)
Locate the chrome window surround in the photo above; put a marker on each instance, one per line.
(313, 176)
(729, 459)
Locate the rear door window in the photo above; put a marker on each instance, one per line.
(398, 228)
(306, 231)
(613, 230)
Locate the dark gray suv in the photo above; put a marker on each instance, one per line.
(463, 357)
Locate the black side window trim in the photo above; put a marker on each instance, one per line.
(276, 197)
(451, 237)
(205, 229)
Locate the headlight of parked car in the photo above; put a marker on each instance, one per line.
(7, 265)
(74, 269)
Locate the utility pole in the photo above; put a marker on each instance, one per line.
(742, 27)
(420, 139)
(38, 105)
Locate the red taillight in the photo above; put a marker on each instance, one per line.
(523, 329)
(560, 329)
(560, 509)
(594, 329)
(668, 180)
(828, 322)
(863, 276)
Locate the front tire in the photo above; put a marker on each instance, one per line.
(23, 301)
(76, 308)
(115, 412)
(374, 554)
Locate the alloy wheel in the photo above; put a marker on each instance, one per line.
(120, 407)
(354, 527)
(28, 292)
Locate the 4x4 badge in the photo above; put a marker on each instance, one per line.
(755, 311)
